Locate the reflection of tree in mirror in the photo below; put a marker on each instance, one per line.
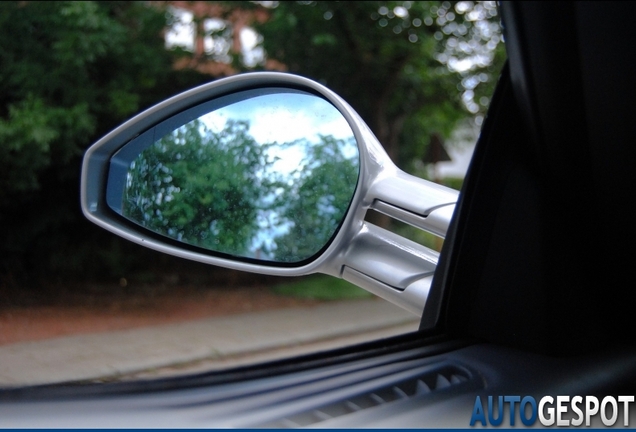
(226, 192)
(200, 187)
(316, 201)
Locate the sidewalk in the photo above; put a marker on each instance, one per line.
(201, 345)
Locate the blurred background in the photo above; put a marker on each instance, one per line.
(421, 74)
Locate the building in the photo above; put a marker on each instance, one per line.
(214, 33)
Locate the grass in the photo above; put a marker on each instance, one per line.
(453, 182)
(417, 235)
(321, 287)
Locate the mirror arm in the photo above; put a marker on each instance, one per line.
(386, 264)
(436, 222)
(413, 200)
(390, 266)
(413, 298)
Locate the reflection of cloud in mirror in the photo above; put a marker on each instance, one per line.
(285, 118)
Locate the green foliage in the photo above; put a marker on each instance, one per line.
(318, 199)
(215, 189)
(453, 182)
(398, 63)
(200, 187)
(321, 287)
(28, 140)
(69, 73)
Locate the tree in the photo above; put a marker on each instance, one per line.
(317, 200)
(69, 72)
(410, 69)
(200, 187)
(222, 191)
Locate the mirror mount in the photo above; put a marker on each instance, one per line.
(390, 267)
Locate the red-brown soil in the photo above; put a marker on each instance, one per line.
(104, 308)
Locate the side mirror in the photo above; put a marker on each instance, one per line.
(268, 173)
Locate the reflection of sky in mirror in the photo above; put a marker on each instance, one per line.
(284, 118)
(295, 122)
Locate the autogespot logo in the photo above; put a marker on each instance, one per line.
(550, 411)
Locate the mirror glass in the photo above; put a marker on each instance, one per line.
(266, 174)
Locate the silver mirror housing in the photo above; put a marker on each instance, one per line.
(375, 259)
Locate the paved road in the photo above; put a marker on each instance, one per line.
(201, 345)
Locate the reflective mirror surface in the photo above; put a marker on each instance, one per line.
(266, 174)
